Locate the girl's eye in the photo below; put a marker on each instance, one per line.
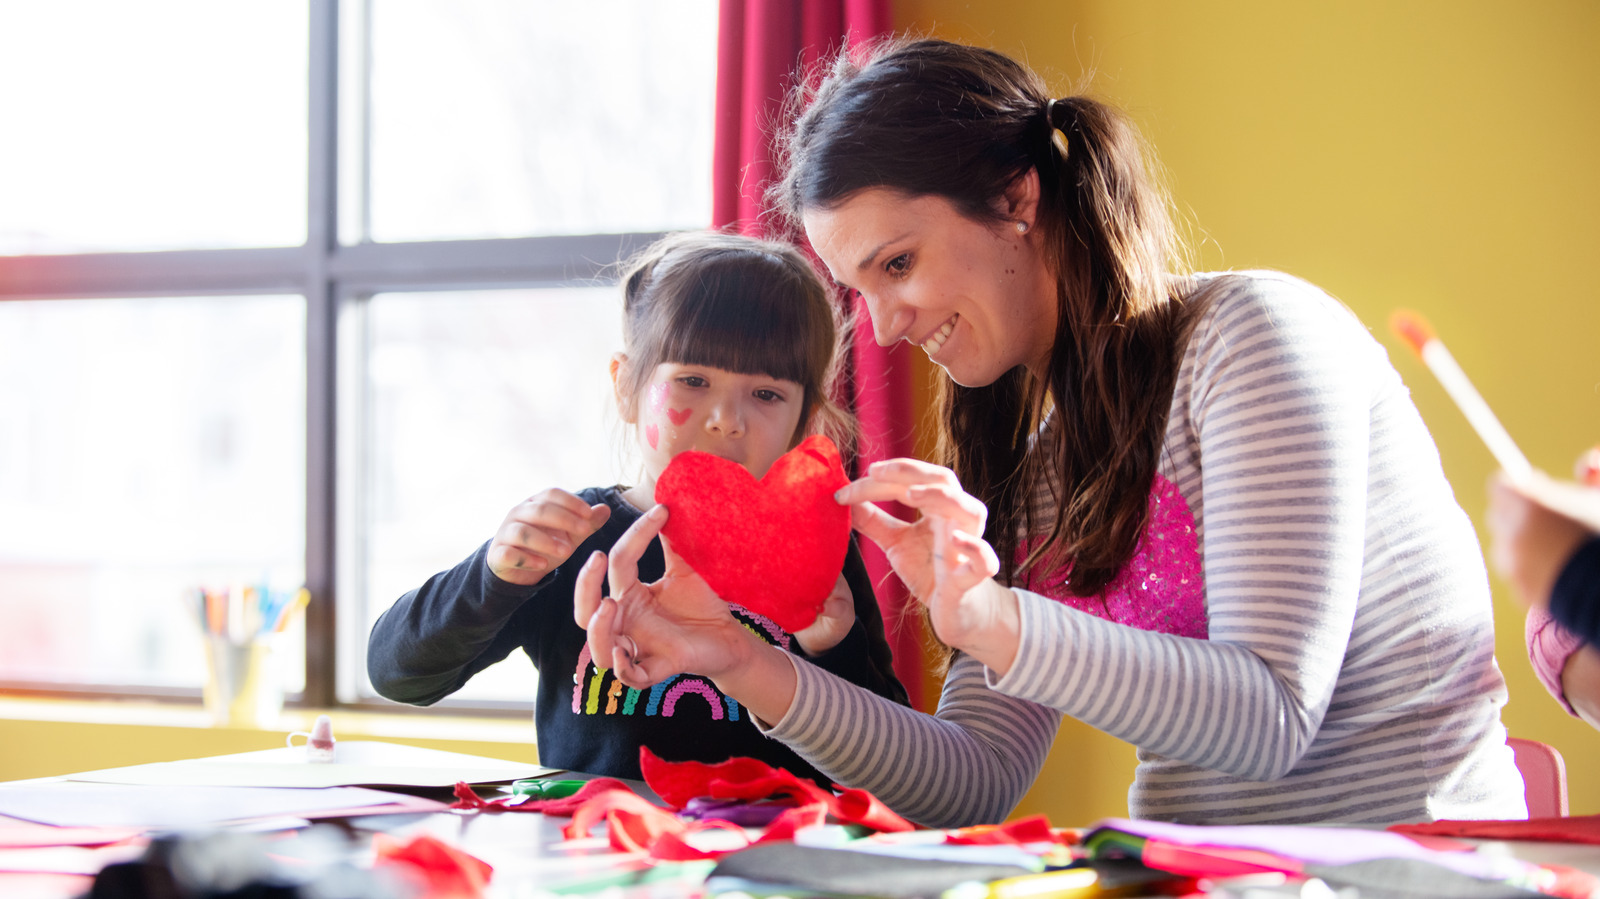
(769, 396)
(692, 381)
(899, 265)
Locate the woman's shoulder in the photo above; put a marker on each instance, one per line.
(1231, 305)
(1229, 294)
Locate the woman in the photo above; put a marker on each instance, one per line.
(1197, 512)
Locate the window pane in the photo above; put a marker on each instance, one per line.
(476, 402)
(162, 124)
(148, 447)
(515, 118)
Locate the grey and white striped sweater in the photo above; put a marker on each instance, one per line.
(1349, 675)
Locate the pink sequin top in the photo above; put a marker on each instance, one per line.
(1162, 588)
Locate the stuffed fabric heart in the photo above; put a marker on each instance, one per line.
(775, 546)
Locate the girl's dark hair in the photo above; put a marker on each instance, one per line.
(740, 304)
(932, 118)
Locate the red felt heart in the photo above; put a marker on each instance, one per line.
(775, 546)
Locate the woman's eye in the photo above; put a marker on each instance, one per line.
(899, 265)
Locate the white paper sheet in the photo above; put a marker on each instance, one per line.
(355, 763)
(66, 803)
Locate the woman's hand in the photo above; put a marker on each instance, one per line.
(833, 623)
(942, 556)
(647, 633)
(540, 533)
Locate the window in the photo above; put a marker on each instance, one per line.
(302, 294)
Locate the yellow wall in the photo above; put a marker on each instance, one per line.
(1436, 155)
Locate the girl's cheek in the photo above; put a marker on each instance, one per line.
(658, 396)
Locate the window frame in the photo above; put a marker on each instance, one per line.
(334, 277)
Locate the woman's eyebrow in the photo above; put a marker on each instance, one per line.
(866, 261)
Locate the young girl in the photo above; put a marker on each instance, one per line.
(729, 343)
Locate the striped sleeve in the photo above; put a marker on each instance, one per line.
(969, 763)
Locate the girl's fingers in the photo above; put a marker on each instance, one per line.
(558, 510)
(536, 540)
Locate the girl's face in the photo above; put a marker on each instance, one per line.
(977, 297)
(748, 419)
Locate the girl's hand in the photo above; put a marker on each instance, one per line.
(942, 557)
(540, 533)
(647, 633)
(833, 623)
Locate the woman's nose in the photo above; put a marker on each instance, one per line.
(890, 320)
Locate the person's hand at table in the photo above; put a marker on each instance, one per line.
(942, 556)
(647, 633)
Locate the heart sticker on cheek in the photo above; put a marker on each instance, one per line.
(679, 416)
(775, 546)
(652, 435)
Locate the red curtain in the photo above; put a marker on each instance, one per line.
(761, 44)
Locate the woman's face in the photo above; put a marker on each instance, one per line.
(976, 296)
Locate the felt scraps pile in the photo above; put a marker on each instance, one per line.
(748, 799)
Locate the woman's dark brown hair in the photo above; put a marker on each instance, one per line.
(932, 118)
(739, 304)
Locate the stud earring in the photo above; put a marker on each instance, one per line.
(1022, 227)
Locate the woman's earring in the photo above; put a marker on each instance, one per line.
(1022, 227)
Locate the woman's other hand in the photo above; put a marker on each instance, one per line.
(647, 633)
(942, 556)
(540, 533)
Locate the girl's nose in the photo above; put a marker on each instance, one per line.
(725, 419)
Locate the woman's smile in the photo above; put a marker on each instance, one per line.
(976, 296)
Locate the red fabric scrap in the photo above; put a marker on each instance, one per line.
(672, 847)
(467, 798)
(441, 870)
(746, 778)
(1032, 829)
(678, 782)
(1573, 829)
(601, 806)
